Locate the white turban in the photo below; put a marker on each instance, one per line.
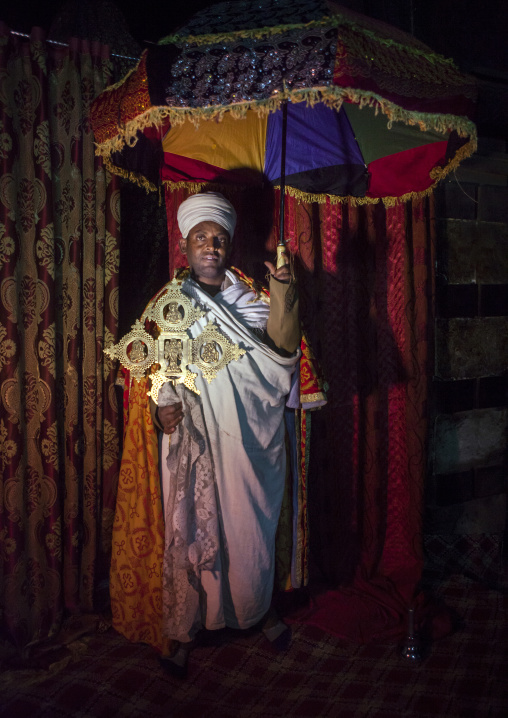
(206, 207)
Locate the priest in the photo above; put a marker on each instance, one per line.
(223, 455)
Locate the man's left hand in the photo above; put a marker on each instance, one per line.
(170, 416)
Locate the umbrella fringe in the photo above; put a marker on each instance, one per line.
(437, 174)
(330, 96)
(258, 33)
(443, 124)
(355, 201)
(134, 177)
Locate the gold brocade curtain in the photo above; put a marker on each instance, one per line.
(59, 257)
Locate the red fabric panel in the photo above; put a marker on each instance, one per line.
(177, 168)
(365, 301)
(405, 172)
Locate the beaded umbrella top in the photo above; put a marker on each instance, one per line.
(363, 95)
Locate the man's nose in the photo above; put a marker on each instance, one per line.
(209, 243)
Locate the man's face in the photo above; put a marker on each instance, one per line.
(207, 249)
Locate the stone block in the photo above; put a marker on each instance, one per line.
(492, 203)
(490, 480)
(452, 396)
(493, 300)
(488, 146)
(472, 252)
(486, 515)
(451, 488)
(492, 105)
(487, 166)
(470, 439)
(454, 200)
(471, 348)
(491, 253)
(457, 300)
(479, 516)
(492, 392)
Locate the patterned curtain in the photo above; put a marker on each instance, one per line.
(59, 258)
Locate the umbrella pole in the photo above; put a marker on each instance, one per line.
(281, 245)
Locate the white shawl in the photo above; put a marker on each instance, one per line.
(243, 427)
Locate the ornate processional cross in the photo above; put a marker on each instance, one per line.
(168, 356)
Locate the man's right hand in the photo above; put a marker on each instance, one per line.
(170, 416)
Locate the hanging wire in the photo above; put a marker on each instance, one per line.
(463, 190)
(66, 44)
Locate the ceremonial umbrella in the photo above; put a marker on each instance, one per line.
(372, 114)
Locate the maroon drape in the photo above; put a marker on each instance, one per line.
(59, 254)
(366, 284)
(368, 288)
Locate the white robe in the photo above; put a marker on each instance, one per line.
(243, 414)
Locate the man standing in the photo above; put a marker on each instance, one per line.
(223, 462)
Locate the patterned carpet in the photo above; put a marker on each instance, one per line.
(98, 674)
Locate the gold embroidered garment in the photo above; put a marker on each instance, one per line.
(243, 410)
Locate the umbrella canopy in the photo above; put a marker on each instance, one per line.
(372, 113)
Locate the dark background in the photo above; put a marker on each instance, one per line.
(147, 22)
(471, 32)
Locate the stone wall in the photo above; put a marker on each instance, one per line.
(466, 498)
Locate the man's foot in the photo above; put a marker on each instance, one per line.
(276, 631)
(176, 662)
